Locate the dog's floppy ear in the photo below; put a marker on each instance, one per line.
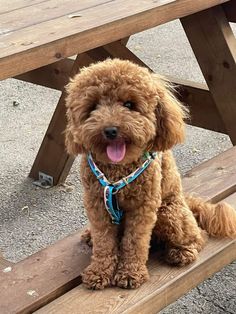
(170, 115)
(72, 147)
(71, 132)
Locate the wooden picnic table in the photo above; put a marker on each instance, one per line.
(37, 37)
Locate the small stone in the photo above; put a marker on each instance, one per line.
(25, 208)
(195, 150)
(32, 293)
(15, 103)
(72, 16)
(7, 269)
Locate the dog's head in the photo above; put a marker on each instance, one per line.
(117, 110)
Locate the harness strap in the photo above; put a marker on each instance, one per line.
(110, 189)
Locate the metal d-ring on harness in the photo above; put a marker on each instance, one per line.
(110, 189)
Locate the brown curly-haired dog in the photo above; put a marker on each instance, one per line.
(117, 111)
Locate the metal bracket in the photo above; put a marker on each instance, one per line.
(45, 181)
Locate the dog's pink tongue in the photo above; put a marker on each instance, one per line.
(116, 151)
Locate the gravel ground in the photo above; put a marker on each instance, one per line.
(32, 218)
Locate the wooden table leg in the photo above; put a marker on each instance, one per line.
(214, 45)
(52, 158)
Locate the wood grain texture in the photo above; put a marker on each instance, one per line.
(214, 45)
(54, 39)
(49, 273)
(55, 75)
(44, 11)
(166, 284)
(219, 175)
(56, 269)
(13, 5)
(52, 158)
(230, 10)
(203, 110)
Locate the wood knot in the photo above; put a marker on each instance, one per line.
(226, 65)
(58, 55)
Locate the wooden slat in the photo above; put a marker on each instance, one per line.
(52, 40)
(219, 174)
(214, 45)
(166, 284)
(7, 6)
(203, 110)
(56, 269)
(44, 11)
(230, 10)
(43, 276)
(55, 75)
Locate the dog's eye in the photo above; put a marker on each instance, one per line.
(128, 104)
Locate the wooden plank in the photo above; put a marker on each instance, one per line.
(43, 276)
(47, 42)
(231, 199)
(230, 11)
(8, 6)
(56, 269)
(203, 110)
(214, 45)
(166, 284)
(44, 11)
(55, 75)
(219, 173)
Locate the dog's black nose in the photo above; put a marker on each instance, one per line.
(111, 132)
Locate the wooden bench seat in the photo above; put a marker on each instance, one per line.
(49, 281)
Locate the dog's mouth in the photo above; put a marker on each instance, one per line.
(116, 150)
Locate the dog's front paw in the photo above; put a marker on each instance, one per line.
(96, 277)
(181, 256)
(131, 276)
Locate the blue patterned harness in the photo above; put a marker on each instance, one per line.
(110, 189)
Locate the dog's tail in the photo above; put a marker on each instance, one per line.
(218, 220)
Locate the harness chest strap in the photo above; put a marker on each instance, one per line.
(110, 189)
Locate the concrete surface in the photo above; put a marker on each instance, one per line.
(32, 218)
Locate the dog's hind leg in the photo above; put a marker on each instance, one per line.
(176, 225)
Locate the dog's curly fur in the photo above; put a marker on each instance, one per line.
(154, 202)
